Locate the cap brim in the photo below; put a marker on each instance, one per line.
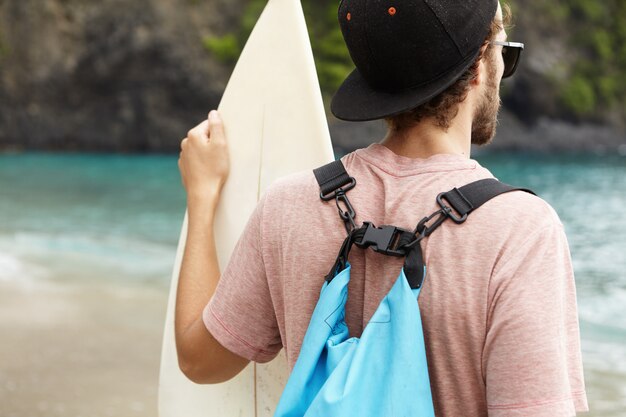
(357, 101)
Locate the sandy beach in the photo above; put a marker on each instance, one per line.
(80, 350)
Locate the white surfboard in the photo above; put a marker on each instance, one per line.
(275, 125)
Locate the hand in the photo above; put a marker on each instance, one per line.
(203, 162)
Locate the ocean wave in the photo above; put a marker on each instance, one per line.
(603, 329)
(600, 354)
(76, 256)
(604, 308)
(12, 268)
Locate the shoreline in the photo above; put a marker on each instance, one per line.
(547, 136)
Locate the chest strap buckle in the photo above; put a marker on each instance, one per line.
(384, 239)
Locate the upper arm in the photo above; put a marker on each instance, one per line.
(531, 359)
(238, 325)
(241, 314)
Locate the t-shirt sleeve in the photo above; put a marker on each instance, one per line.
(240, 315)
(532, 359)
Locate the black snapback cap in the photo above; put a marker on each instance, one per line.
(406, 52)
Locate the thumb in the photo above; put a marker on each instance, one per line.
(216, 127)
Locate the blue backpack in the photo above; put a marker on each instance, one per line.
(384, 372)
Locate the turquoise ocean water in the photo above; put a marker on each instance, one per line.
(75, 218)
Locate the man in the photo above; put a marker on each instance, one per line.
(499, 303)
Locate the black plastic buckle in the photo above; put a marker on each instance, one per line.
(382, 239)
(343, 189)
(449, 211)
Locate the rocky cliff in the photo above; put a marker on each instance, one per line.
(132, 76)
(106, 75)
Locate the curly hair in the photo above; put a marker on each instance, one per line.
(444, 107)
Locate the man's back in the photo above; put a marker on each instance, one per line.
(498, 304)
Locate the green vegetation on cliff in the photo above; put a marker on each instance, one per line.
(594, 34)
(331, 56)
(4, 48)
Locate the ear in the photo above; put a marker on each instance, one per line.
(482, 67)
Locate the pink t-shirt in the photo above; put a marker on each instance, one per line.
(498, 305)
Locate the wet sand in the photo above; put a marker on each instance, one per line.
(75, 350)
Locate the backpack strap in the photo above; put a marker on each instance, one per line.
(455, 204)
(469, 197)
(334, 183)
(463, 201)
(331, 178)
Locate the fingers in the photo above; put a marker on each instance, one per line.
(212, 129)
(216, 127)
(183, 145)
(200, 132)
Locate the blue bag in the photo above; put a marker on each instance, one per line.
(383, 373)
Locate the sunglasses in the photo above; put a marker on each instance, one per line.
(511, 52)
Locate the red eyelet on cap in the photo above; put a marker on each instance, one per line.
(392, 11)
(348, 17)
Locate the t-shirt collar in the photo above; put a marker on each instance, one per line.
(385, 159)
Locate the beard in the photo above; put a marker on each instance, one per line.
(486, 115)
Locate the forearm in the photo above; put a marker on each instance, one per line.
(199, 272)
(204, 166)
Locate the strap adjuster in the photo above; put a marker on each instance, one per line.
(341, 190)
(457, 219)
(382, 239)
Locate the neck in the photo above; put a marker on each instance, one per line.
(426, 139)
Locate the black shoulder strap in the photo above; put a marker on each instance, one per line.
(469, 197)
(463, 200)
(332, 177)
